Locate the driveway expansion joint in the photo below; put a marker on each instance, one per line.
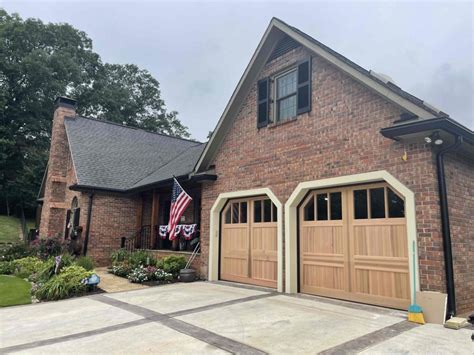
(367, 341)
(193, 331)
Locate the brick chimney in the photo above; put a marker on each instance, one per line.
(53, 214)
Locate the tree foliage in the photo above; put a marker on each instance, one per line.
(39, 62)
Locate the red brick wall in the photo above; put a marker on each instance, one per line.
(340, 136)
(459, 173)
(113, 217)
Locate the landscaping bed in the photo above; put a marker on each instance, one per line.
(48, 271)
(141, 267)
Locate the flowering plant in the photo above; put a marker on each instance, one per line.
(138, 275)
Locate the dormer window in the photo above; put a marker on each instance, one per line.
(286, 89)
(288, 94)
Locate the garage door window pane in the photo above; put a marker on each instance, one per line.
(360, 204)
(336, 205)
(377, 203)
(257, 211)
(322, 207)
(267, 211)
(274, 213)
(309, 210)
(396, 205)
(235, 213)
(227, 216)
(243, 212)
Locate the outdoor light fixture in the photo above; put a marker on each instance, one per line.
(434, 138)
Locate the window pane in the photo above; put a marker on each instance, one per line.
(267, 211)
(286, 84)
(396, 205)
(227, 215)
(243, 212)
(377, 203)
(274, 213)
(309, 210)
(336, 205)
(235, 213)
(322, 207)
(287, 108)
(257, 211)
(360, 204)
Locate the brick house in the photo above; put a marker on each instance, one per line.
(320, 177)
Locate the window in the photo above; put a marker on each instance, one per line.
(264, 211)
(382, 202)
(323, 207)
(289, 93)
(286, 88)
(236, 213)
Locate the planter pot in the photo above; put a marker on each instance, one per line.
(187, 275)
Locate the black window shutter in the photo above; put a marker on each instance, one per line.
(304, 87)
(263, 102)
(77, 215)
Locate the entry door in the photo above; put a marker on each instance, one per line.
(353, 245)
(249, 242)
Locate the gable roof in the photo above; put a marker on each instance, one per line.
(275, 32)
(120, 158)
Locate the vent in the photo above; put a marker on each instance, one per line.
(284, 45)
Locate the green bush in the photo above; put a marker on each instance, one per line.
(25, 267)
(15, 251)
(6, 268)
(49, 268)
(70, 282)
(173, 264)
(86, 262)
(134, 259)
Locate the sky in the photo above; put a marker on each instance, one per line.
(199, 50)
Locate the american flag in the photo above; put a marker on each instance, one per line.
(179, 201)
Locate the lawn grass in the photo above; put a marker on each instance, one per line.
(14, 291)
(9, 229)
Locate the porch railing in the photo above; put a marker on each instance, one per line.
(141, 239)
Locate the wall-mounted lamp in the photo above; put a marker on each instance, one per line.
(434, 138)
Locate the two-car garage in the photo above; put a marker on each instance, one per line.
(346, 241)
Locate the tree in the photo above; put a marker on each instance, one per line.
(39, 62)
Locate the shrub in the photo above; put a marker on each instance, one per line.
(44, 248)
(120, 269)
(173, 264)
(140, 257)
(119, 256)
(86, 262)
(6, 268)
(25, 267)
(49, 268)
(15, 251)
(70, 282)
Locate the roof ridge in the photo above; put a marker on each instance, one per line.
(187, 149)
(135, 128)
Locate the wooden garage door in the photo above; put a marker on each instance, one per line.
(353, 245)
(249, 242)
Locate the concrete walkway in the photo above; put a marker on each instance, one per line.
(205, 317)
(112, 283)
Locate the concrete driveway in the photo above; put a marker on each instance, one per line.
(207, 317)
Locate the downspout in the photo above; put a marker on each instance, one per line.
(445, 226)
(88, 223)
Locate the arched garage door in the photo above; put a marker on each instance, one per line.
(353, 245)
(248, 248)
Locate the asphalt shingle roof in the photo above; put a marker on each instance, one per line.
(112, 156)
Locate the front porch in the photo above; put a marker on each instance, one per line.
(152, 217)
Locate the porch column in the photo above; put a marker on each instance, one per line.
(138, 224)
(154, 217)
